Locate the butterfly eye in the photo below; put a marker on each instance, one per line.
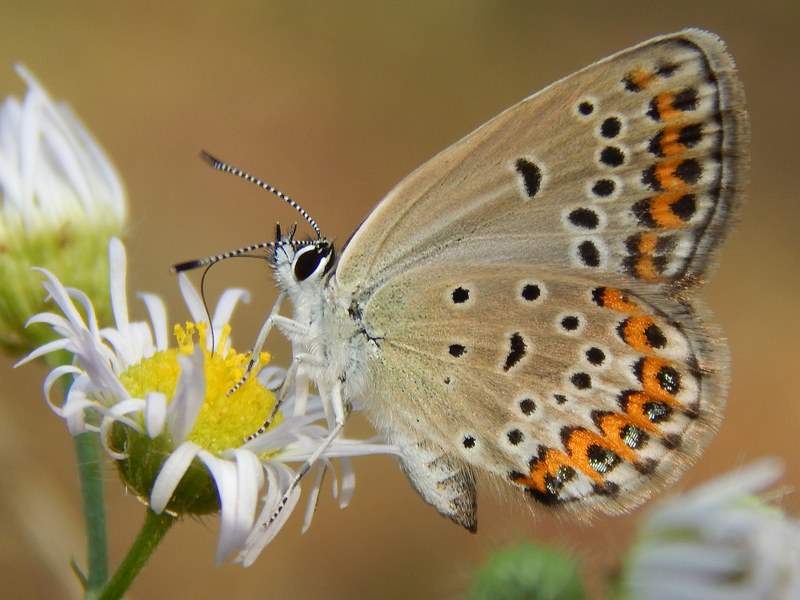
(308, 260)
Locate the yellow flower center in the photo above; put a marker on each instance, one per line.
(224, 420)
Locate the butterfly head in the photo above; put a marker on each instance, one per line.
(300, 264)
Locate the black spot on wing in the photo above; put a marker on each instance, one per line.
(531, 176)
(517, 351)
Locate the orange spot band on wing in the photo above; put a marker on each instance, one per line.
(612, 426)
(670, 144)
(666, 111)
(642, 79)
(665, 174)
(580, 440)
(651, 368)
(661, 209)
(647, 243)
(616, 299)
(634, 333)
(638, 416)
(645, 266)
(548, 466)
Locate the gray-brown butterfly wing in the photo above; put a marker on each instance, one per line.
(583, 392)
(612, 188)
(631, 166)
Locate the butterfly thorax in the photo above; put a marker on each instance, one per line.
(325, 330)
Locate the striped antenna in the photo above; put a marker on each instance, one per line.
(221, 166)
(210, 260)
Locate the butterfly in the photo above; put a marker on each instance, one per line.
(524, 305)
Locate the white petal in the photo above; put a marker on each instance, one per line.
(44, 349)
(29, 140)
(104, 431)
(58, 293)
(190, 393)
(231, 531)
(348, 483)
(158, 318)
(194, 302)
(119, 412)
(271, 377)
(94, 358)
(303, 448)
(264, 531)
(313, 495)
(689, 559)
(226, 305)
(104, 181)
(750, 479)
(251, 481)
(238, 508)
(155, 414)
(693, 506)
(62, 173)
(74, 414)
(117, 262)
(170, 475)
(130, 345)
(51, 379)
(86, 303)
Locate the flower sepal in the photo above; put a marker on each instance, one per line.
(144, 458)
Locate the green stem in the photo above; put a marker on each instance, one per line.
(87, 449)
(90, 475)
(153, 531)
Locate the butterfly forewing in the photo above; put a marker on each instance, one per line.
(630, 166)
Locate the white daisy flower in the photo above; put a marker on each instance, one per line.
(164, 414)
(717, 542)
(60, 202)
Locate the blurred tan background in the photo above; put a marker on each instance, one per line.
(334, 103)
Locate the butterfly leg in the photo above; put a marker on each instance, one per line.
(340, 412)
(296, 374)
(255, 353)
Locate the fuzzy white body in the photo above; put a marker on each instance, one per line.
(335, 350)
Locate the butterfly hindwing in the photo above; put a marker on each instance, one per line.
(581, 392)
